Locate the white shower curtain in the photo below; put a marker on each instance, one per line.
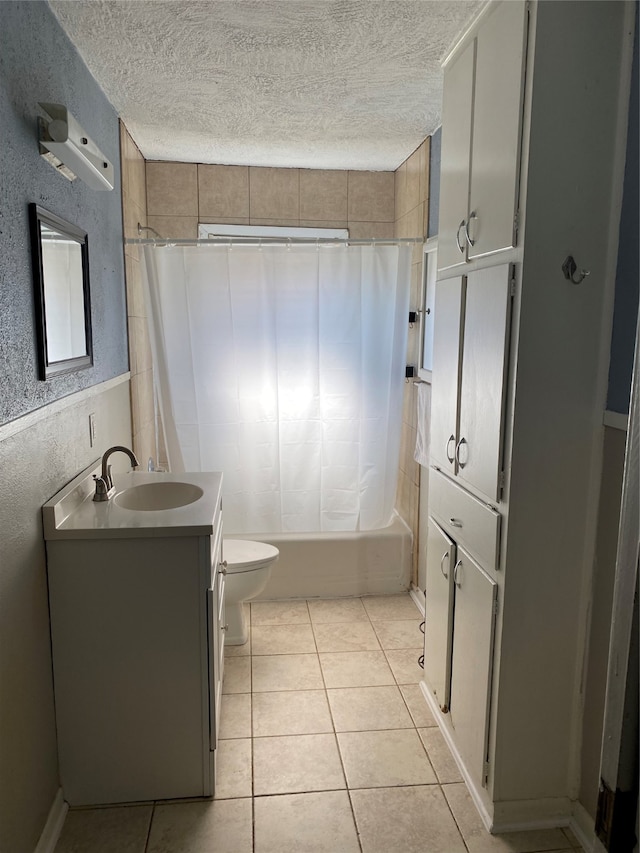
(282, 367)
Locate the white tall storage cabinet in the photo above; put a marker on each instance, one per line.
(535, 99)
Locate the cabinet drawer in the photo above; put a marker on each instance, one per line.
(467, 520)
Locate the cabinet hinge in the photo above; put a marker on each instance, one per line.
(516, 224)
(512, 287)
(501, 480)
(485, 773)
(495, 606)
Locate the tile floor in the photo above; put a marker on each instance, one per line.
(326, 746)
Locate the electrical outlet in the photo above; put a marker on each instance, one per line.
(92, 429)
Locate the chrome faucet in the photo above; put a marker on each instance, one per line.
(104, 483)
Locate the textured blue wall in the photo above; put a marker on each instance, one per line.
(625, 313)
(39, 63)
(434, 182)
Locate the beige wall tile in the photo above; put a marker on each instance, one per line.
(144, 445)
(323, 194)
(371, 230)
(400, 190)
(425, 149)
(223, 191)
(139, 347)
(274, 193)
(231, 220)
(135, 296)
(138, 179)
(142, 407)
(323, 223)
(172, 189)
(294, 223)
(414, 163)
(180, 227)
(371, 196)
(131, 216)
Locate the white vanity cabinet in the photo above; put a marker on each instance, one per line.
(481, 139)
(518, 388)
(470, 355)
(137, 630)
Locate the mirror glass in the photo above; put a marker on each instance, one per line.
(61, 275)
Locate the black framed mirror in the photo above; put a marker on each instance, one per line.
(62, 298)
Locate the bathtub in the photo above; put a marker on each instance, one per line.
(335, 564)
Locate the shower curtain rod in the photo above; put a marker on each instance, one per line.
(281, 241)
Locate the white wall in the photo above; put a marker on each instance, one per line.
(36, 460)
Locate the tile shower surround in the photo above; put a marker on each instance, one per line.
(326, 746)
(173, 197)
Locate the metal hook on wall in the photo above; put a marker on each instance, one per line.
(569, 269)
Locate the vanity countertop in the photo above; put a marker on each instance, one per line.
(73, 514)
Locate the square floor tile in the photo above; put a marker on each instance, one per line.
(294, 612)
(345, 637)
(440, 756)
(328, 610)
(313, 823)
(294, 712)
(237, 675)
(417, 705)
(478, 840)
(405, 820)
(282, 640)
(235, 716)
(384, 759)
(123, 829)
(404, 665)
(363, 709)
(400, 634)
(355, 669)
(383, 608)
(233, 769)
(221, 826)
(289, 765)
(272, 673)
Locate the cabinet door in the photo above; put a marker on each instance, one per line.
(483, 375)
(497, 129)
(438, 613)
(471, 667)
(449, 305)
(457, 111)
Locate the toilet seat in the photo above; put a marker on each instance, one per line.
(245, 555)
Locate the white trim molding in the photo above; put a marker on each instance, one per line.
(53, 827)
(31, 418)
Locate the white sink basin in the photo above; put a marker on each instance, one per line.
(151, 497)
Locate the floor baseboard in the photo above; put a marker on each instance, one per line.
(53, 826)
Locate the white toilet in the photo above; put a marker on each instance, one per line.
(248, 570)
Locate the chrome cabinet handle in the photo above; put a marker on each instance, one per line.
(455, 522)
(443, 558)
(223, 567)
(458, 446)
(463, 224)
(472, 215)
(451, 459)
(455, 574)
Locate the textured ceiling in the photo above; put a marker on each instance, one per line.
(325, 84)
